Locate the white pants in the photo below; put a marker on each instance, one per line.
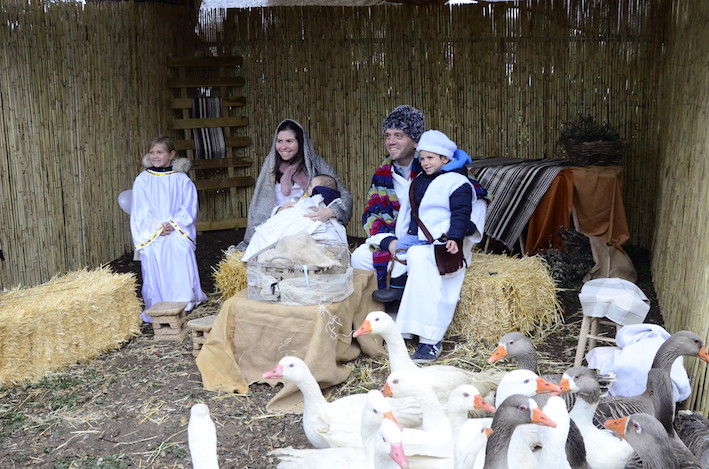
(429, 300)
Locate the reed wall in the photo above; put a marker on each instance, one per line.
(82, 91)
(84, 88)
(680, 261)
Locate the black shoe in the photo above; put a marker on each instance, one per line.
(387, 295)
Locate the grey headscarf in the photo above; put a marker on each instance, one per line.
(264, 199)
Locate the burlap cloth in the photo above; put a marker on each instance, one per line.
(249, 338)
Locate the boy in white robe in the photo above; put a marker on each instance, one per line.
(449, 207)
(290, 219)
(163, 215)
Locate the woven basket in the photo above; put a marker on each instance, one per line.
(599, 153)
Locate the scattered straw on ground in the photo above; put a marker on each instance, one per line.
(501, 294)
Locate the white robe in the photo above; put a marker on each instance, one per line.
(429, 299)
(168, 263)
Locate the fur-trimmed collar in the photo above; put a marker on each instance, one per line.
(180, 163)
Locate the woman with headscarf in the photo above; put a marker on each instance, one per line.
(285, 175)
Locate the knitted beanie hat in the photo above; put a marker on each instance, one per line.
(436, 142)
(407, 119)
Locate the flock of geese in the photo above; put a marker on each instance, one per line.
(441, 416)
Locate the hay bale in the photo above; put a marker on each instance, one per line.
(72, 318)
(501, 294)
(230, 275)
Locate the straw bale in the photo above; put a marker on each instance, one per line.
(501, 294)
(71, 318)
(230, 275)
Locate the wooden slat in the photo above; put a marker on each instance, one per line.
(178, 124)
(192, 82)
(186, 103)
(231, 142)
(204, 61)
(226, 224)
(224, 183)
(222, 163)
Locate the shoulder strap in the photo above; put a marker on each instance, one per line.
(415, 213)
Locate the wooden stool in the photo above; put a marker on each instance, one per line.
(200, 328)
(589, 334)
(168, 321)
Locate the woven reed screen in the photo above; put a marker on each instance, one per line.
(83, 89)
(680, 261)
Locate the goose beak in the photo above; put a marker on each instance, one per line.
(545, 386)
(277, 372)
(703, 354)
(387, 391)
(481, 405)
(539, 418)
(397, 454)
(564, 385)
(617, 426)
(364, 329)
(499, 353)
(390, 415)
(488, 431)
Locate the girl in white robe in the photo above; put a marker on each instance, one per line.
(163, 215)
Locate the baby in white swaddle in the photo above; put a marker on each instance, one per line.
(289, 219)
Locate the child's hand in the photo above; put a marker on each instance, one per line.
(321, 214)
(167, 228)
(451, 246)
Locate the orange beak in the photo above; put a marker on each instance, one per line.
(499, 353)
(703, 354)
(540, 418)
(545, 386)
(488, 431)
(387, 390)
(390, 415)
(481, 405)
(277, 372)
(564, 385)
(364, 329)
(617, 426)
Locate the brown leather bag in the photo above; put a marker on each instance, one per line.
(445, 261)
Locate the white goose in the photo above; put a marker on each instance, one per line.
(469, 435)
(604, 450)
(337, 423)
(382, 444)
(442, 378)
(202, 438)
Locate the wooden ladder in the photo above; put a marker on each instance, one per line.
(190, 78)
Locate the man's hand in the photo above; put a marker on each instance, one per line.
(392, 247)
(167, 228)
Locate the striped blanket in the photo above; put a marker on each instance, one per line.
(208, 142)
(516, 186)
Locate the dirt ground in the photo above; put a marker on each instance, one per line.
(130, 407)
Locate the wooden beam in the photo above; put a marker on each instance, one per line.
(222, 163)
(186, 103)
(207, 122)
(205, 61)
(231, 142)
(227, 224)
(223, 183)
(192, 82)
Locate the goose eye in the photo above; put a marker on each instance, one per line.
(526, 381)
(637, 427)
(375, 411)
(523, 408)
(292, 365)
(511, 342)
(396, 381)
(377, 319)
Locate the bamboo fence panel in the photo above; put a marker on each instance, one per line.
(499, 79)
(87, 85)
(80, 97)
(680, 248)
